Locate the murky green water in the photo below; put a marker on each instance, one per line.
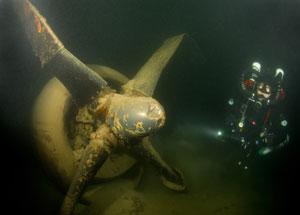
(223, 37)
(214, 186)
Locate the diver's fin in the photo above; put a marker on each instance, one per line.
(147, 77)
(75, 75)
(109, 74)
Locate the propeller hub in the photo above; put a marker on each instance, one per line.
(134, 117)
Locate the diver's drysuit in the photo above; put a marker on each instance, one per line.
(255, 121)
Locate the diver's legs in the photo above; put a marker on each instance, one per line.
(93, 158)
(171, 177)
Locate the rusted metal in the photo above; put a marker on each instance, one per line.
(93, 158)
(44, 42)
(106, 122)
(55, 58)
(131, 117)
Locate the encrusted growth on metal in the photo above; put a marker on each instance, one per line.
(132, 117)
(106, 121)
(44, 42)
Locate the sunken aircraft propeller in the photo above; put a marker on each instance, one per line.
(86, 130)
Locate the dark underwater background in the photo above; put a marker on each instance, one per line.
(223, 38)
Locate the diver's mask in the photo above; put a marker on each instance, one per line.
(263, 91)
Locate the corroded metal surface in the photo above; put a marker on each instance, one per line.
(81, 81)
(44, 42)
(126, 120)
(131, 117)
(60, 149)
(107, 124)
(93, 158)
(146, 79)
(170, 177)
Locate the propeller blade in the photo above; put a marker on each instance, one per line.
(109, 73)
(146, 79)
(80, 80)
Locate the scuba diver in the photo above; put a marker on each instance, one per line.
(255, 121)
